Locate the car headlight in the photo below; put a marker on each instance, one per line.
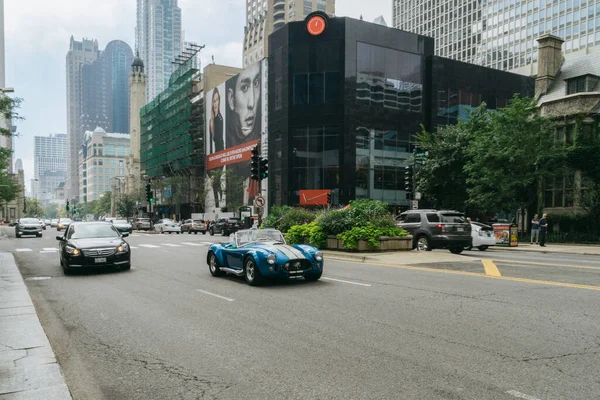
(271, 259)
(123, 248)
(72, 250)
(319, 256)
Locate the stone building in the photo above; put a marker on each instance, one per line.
(568, 92)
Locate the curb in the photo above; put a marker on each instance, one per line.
(29, 366)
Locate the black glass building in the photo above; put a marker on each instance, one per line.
(346, 100)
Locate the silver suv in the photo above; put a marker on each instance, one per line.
(437, 229)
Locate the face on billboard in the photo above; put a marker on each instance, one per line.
(244, 100)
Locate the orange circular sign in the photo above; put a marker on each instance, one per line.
(316, 25)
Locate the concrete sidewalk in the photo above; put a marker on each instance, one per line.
(581, 249)
(28, 367)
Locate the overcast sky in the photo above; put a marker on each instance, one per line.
(37, 40)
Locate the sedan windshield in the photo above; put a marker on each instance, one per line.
(82, 231)
(65, 221)
(29, 221)
(120, 222)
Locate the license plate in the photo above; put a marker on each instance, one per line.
(100, 260)
(460, 229)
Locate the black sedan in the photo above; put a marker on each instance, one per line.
(93, 244)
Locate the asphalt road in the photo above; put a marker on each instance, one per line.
(168, 330)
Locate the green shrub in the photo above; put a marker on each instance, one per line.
(365, 211)
(312, 232)
(370, 233)
(284, 217)
(360, 214)
(335, 221)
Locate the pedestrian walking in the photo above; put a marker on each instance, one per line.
(543, 230)
(535, 229)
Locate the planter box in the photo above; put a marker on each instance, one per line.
(332, 242)
(386, 243)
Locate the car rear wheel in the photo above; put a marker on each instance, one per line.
(211, 232)
(161, 230)
(213, 265)
(18, 235)
(189, 231)
(423, 243)
(456, 250)
(483, 248)
(251, 272)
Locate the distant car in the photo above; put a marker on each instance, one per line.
(42, 224)
(53, 223)
(93, 244)
(167, 225)
(193, 226)
(63, 223)
(437, 229)
(122, 225)
(142, 224)
(483, 236)
(47, 222)
(258, 254)
(225, 226)
(28, 226)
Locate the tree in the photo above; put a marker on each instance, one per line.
(51, 211)
(126, 205)
(103, 204)
(8, 110)
(8, 188)
(33, 208)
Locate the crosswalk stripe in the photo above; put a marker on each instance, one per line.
(172, 245)
(191, 244)
(132, 247)
(22, 250)
(46, 251)
(151, 246)
(50, 249)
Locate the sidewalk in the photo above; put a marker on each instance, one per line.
(28, 367)
(581, 249)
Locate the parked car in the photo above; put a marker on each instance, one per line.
(257, 254)
(483, 236)
(225, 226)
(47, 222)
(167, 225)
(142, 224)
(433, 229)
(28, 226)
(93, 244)
(42, 224)
(194, 226)
(53, 223)
(63, 223)
(122, 225)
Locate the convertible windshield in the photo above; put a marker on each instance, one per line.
(82, 231)
(259, 235)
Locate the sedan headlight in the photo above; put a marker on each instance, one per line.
(72, 250)
(123, 248)
(319, 256)
(271, 259)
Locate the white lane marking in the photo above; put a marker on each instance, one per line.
(172, 245)
(50, 249)
(46, 251)
(215, 295)
(520, 395)
(22, 250)
(151, 246)
(194, 244)
(343, 281)
(132, 247)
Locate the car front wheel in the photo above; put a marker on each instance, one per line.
(251, 272)
(213, 265)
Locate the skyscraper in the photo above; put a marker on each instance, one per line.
(499, 33)
(158, 39)
(80, 52)
(18, 165)
(263, 17)
(50, 165)
(105, 89)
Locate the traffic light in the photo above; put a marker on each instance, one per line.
(68, 206)
(329, 198)
(151, 199)
(264, 168)
(148, 192)
(255, 165)
(408, 180)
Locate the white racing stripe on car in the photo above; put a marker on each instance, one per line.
(291, 252)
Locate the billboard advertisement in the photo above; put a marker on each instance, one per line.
(235, 121)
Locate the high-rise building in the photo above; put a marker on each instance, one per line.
(105, 89)
(50, 165)
(263, 17)
(80, 52)
(499, 34)
(18, 165)
(158, 38)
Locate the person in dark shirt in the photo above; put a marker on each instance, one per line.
(543, 230)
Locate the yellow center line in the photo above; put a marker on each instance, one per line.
(490, 268)
(476, 274)
(545, 264)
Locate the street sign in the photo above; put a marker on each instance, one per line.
(417, 195)
(415, 204)
(259, 202)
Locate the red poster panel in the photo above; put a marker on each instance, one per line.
(314, 197)
(232, 155)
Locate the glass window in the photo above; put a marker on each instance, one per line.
(316, 88)
(300, 89)
(413, 218)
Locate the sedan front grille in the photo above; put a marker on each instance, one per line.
(297, 265)
(99, 252)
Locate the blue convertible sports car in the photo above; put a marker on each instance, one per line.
(258, 254)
